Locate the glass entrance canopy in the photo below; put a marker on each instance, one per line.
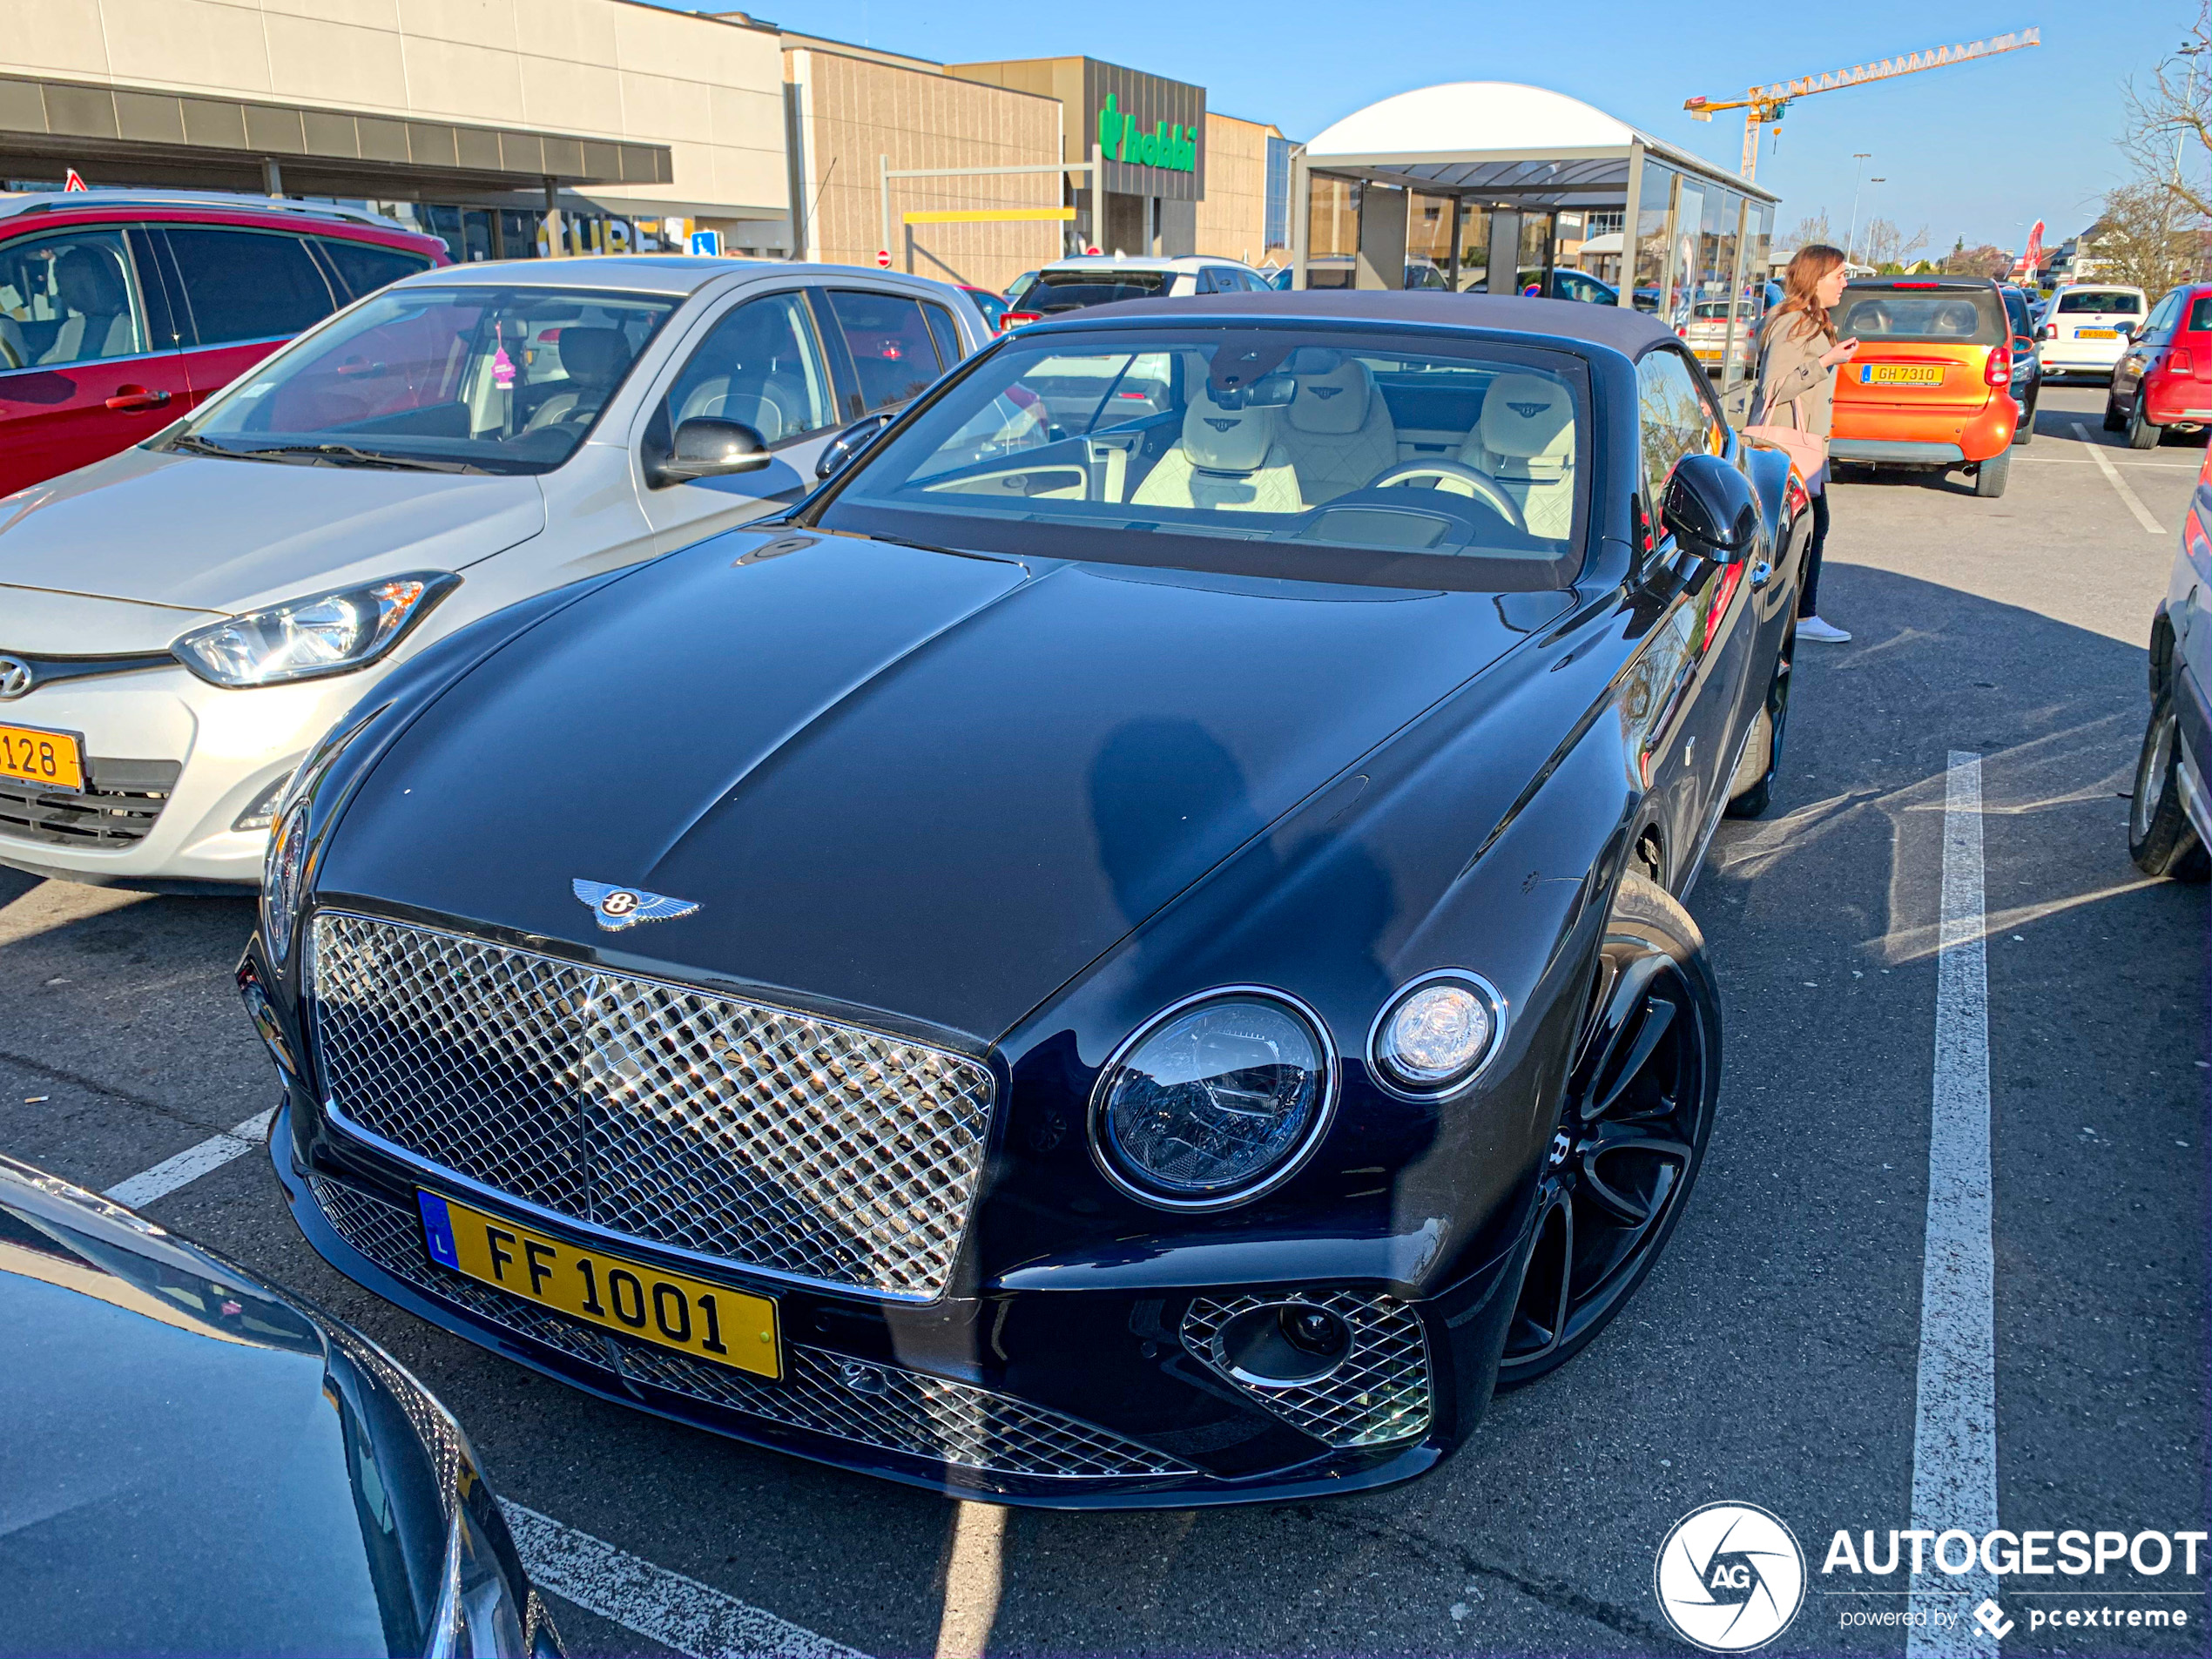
(1490, 187)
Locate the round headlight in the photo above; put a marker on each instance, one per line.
(1215, 1101)
(280, 873)
(1436, 1033)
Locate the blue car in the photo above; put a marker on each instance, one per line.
(1128, 950)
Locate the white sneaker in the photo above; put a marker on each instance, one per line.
(1825, 633)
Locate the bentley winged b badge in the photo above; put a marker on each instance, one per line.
(620, 908)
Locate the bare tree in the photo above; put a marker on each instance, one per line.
(1804, 232)
(1986, 260)
(1883, 243)
(2148, 237)
(2170, 121)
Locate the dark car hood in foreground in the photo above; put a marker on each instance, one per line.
(916, 782)
(185, 1465)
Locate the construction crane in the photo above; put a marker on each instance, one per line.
(1763, 106)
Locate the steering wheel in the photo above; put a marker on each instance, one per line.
(1454, 478)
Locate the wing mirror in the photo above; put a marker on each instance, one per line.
(709, 448)
(848, 443)
(1709, 505)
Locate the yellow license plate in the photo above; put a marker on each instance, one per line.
(2096, 333)
(1902, 375)
(710, 1321)
(50, 759)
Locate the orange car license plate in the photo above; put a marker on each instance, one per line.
(1901, 374)
(2096, 333)
(708, 1321)
(49, 759)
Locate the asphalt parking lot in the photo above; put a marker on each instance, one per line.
(1771, 1357)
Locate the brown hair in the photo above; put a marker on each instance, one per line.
(1801, 281)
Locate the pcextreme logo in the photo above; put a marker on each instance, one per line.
(1174, 147)
(1729, 1577)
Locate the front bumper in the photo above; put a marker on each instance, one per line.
(1064, 1400)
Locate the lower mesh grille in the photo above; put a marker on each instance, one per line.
(121, 802)
(1381, 1394)
(884, 1407)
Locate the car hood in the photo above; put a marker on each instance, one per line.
(928, 783)
(199, 534)
(193, 1463)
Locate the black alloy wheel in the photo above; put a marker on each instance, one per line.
(2160, 837)
(2143, 432)
(1631, 1133)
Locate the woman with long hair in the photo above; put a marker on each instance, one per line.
(1798, 357)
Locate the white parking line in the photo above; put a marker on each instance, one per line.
(667, 1608)
(2112, 476)
(1954, 1435)
(193, 1162)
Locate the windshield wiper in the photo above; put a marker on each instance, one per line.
(336, 454)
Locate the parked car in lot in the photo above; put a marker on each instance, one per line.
(1107, 279)
(179, 622)
(1931, 387)
(122, 309)
(2170, 814)
(2027, 360)
(2164, 379)
(993, 305)
(1119, 954)
(2086, 328)
(196, 1462)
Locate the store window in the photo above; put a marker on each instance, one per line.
(1428, 238)
(1474, 248)
(1536, 257)
(1332, 231)
(1654, 202)
(70, 299)
(248, 285)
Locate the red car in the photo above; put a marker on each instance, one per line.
(2164, 378)
(121, 309)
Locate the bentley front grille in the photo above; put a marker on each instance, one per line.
(888, 1407)
(780, 1141)
(1379, 1392)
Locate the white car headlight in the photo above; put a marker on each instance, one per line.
(324, 633)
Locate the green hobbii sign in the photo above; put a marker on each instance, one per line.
(1167, 145)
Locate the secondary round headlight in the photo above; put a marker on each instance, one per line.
(1218, 1100)
(281, 871)
(1436, 1033)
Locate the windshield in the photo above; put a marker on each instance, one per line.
(462, 378)
(1052, 291)
(1957, 316)
(2102, 301)
(1336, 454)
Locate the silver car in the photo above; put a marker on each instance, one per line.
(180, 620)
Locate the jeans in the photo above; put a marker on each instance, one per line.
(1809, 590)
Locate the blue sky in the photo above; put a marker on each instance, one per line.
(1979, 151)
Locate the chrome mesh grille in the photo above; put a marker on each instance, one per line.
(730, 1129)
(1381, 1394)
(885, 1407)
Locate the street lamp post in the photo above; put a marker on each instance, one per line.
(1872, 186)
(1851, 241)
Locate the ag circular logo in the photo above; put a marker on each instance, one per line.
(1729, 1577)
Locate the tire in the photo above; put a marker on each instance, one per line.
(1641, 1098)
(2161, 839)
(2024, 434)
(2115, 420)
(1993, 475)
(1752, 788)
(2142, 432)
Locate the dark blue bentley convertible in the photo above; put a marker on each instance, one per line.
(1126, 951)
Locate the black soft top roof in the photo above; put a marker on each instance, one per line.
(1621, 328)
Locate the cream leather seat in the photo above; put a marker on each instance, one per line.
(1337, 429)
(1230, 461)
(1526, 441)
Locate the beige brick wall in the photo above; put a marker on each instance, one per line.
(1232, 219)
(711, 92)
(855, 110)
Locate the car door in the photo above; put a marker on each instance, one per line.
(89, 358)
(242, 291)
(1691, 748)
(760, 362)
(2142, 353)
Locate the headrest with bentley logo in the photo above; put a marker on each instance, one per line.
(1524, 415)
(1331, 399)
(1224, 440)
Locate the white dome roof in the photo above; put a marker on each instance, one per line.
(1468, 115)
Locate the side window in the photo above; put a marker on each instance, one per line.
(71, 298)
(1674, 418)
(2160, 327)
(363, 267)
(942, 330)
(759, 364)
(892, 354)
(248, 285)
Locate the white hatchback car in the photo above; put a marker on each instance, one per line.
(2086, 329)
(180, 620)
(1102, 278)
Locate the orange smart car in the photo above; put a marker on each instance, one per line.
(1931, 385)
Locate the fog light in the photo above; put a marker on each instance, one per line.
(1283, 1345)
(262, 812)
